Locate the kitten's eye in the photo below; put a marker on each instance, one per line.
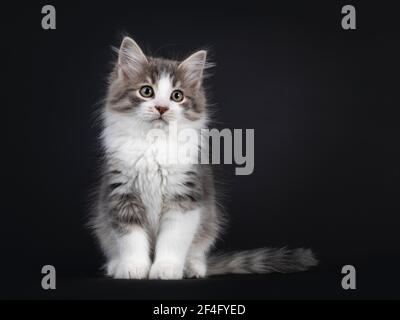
(177, 95)
(146, 91)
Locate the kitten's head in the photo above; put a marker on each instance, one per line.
(157, 91)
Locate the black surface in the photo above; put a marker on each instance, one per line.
(323, 102)
(374, 281)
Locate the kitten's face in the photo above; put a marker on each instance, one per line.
(157, 91)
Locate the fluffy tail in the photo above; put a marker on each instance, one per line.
(263, 260)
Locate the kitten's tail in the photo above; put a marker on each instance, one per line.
(263, 260)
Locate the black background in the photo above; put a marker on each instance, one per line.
(323, 102)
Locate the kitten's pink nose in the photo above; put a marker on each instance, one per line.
(161, 110)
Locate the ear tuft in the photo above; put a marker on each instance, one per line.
(130, 57)
(193, 66)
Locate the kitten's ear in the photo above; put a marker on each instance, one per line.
(193, 67)
(131, 58)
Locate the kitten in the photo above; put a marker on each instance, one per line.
(158, 220)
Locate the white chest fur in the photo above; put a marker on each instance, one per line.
(146, 165)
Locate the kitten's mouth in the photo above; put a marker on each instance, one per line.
(159, 120)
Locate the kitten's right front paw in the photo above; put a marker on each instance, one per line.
(128, 268)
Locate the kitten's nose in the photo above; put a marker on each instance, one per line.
(161, 110)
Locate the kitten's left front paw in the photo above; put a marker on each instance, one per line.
(166, 270)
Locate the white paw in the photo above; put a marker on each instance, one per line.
(196, 269)
(128, 268)
(166, 270)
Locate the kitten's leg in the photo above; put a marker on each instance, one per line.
(196, 261)
(174, 239)
(131, 257)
